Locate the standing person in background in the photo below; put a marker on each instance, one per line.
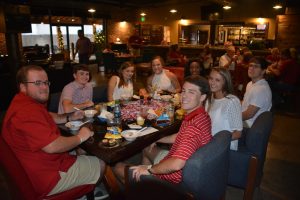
(258, 96)
(78, 93)
(83, 48)
(121, 86)
(135, 43)
(223, 107)
(206, 59)
(162, 80)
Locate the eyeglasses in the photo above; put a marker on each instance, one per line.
(39, 83)
(254, 65)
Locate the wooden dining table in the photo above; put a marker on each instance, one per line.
(120, 152)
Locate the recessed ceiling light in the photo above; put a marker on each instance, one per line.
(227, 7)
(277, 6)
(143, 14)
(91, 10)
(173, 11)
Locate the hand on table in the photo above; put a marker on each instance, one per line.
(89, 103)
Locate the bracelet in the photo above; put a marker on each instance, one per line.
(149, 169)
(81, 140)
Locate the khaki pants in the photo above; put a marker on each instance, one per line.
(86, 170)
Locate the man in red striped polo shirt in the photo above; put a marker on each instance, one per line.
(195, 131)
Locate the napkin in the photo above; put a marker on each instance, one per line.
(105, 115)
(147, 131)
(151, 111)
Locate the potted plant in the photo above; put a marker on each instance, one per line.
(99, 37)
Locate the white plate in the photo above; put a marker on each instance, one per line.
(90, 113)
(73, 125)
(129, 135)
(134, 126)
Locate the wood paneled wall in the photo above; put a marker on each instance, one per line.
(288, 31)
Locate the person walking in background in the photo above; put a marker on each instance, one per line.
(223, 107)
(83, 48)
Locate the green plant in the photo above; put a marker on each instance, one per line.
(99, 37)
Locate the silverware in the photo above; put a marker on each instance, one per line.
(84, 123)
(76, 108)
(142, 129)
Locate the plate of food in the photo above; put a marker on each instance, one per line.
(109, 143)
(130, 135)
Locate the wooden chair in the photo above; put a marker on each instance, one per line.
(204, 174)
(20, 186)
(246, 164)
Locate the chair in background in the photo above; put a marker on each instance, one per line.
(53, 102)
(19, 184)
(100, 94)
(109, 61)
(246, 164)
(204, 174)
(178, 71)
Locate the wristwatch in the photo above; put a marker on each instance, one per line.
(149, 169)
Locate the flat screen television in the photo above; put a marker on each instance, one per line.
(261, 27)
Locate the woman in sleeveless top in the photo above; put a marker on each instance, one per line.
(162, 80)
(121, 87)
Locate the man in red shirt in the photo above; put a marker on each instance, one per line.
(195, 131)
(31, 132)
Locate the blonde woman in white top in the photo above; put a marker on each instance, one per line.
(162, 80)
(121, 87)
(223, 107)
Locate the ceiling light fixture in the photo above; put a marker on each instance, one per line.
(143, 14)
(173, 11)
(226, 7)
(91, 10)
(277, 6)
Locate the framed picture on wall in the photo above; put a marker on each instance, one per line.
(221, 37)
